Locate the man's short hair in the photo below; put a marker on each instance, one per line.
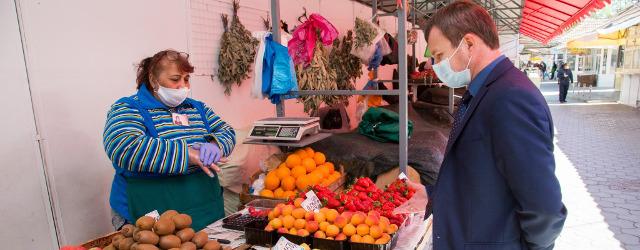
(462, 17)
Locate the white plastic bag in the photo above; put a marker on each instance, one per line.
(256, 90)
(384, 47)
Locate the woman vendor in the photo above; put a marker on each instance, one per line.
(165, 146)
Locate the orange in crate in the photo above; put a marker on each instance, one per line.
(288, 183)
(319, 158)
(272, 181)
(303, 182)
(309, 164)
(293, 160)
(283, 172)
(298, 171)
(278, 193)
(267, 193)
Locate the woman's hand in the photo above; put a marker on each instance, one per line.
(206, 155)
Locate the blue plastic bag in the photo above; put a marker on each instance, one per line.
(278, 74)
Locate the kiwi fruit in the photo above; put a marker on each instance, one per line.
(134, 246)
(175, 248)
(127, 230)
(169, 214)
(125, 244)
(146, 247)
(212, 245)
(200, 239)
(164, 227)
(147, 237)
(182, 221)
(186, 234)
(145, 223)
(116, 238)
(169, 241)
(188, 246)
(109, 247)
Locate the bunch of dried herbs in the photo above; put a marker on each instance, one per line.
(347, 66)
(365, 33)
(237, 51)
(318, 75)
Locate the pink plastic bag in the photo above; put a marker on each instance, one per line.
(305, 36)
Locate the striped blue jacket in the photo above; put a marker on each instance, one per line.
(134, 152)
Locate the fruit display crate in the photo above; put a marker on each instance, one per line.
(257, 236)
(324, 244)
(364, 246)
(100, 242)
(246, 196)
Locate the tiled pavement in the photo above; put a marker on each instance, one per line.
(598, 165)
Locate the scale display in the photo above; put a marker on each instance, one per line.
(288, 132)
(265, 131)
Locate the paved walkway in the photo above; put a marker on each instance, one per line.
(598, 164)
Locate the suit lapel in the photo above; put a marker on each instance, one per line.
(500, 69)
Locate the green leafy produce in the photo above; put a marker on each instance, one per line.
(237, 51)
(365, 33)
(318, 75)
(347, 66)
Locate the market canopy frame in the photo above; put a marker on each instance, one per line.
(543, 20)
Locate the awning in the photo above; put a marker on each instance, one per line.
(627, 18)
(542, 20)
(593, 44)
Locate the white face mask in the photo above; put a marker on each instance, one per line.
(448, 76)
(172, 97)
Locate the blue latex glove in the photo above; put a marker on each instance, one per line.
(209, 153)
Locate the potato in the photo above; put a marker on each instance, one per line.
(182, 221)
(164, 227)
(186, 234)
(169, 241)
(212, 245)
(145, 223)
(147, 237)
(200, 239)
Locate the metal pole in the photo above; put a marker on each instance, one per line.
(413, 46)
(402, 70)
(374, 15)
(275, 31)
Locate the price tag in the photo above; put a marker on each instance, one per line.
(311, 203)
(154, 214)
(284, 244)
(403, 176)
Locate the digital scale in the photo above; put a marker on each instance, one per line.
(284, 128)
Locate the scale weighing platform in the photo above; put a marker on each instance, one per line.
(286, 131)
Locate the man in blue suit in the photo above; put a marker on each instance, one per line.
(496, 188)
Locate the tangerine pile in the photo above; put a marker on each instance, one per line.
(302, 169)
(357, 227)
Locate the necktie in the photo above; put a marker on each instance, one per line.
(457, 118)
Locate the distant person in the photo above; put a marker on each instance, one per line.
(564, 76)
(543, 69)
(553, 71)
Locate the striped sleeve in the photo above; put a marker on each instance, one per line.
(223, 133)
(128, 147)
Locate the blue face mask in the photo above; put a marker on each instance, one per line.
(448, 76)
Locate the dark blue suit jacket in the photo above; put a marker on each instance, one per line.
(497, 188)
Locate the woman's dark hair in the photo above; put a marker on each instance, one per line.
(155, 64)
